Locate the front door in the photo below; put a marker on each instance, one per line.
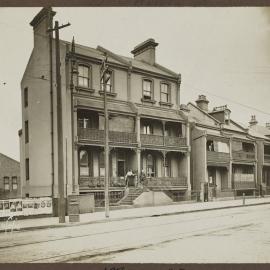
(121, 168)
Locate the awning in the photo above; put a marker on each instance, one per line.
(98, 104)
(157, 113)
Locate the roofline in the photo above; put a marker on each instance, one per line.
(213, 118)
(10, 158)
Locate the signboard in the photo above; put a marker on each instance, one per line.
(25, 207)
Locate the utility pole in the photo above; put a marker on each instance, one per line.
(104, 79)
(61, 186)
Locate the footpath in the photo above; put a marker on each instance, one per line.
(130, 213)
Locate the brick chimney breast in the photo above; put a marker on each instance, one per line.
(146, 51)
(202, 103)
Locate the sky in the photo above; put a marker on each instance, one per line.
(223, 53)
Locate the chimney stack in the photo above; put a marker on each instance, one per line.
(202, 103)
(146, 51)
(253, 121)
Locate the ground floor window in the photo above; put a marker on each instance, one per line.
(84, 163)
(14, 183)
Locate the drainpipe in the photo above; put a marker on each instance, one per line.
(51, 102)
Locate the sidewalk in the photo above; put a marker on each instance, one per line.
(132, 213)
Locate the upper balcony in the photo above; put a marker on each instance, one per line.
(217, 151)
(243, 151)
(217, 157)
(163, 141)
(97, 136)
(243, 155)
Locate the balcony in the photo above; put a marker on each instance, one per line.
(159, 140)
(217, 157)
(88, 182)
(244, 181)
(266, 158)
(96, 136)
(241, 155)
(166, 183)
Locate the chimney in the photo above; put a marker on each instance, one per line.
(267, 125)
(41, 23)
(146, 51)
(253, 121)
(202, 103)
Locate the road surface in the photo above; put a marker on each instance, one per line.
(237, 235)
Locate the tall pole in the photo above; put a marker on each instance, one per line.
(61, 187)
(104, 80)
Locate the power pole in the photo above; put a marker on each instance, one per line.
(61, 186)
(104, 80)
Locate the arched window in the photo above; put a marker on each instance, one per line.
(84, 163)
(150, 166)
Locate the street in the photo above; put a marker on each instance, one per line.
(237, 235)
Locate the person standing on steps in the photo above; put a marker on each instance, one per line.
(128, 176)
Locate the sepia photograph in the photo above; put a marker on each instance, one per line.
(135, 135)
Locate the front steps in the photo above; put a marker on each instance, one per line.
(133, 193)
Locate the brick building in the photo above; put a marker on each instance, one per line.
(227, 158)
(10, 186)
(147, 130)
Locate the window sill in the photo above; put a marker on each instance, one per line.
(85, 89)
(148, 101)
(111, 94)
(162, 103)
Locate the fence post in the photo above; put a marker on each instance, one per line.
(244, 199)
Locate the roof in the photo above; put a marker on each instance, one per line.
(98, 53)
(261, 129)
(198, 115)
(7, 157)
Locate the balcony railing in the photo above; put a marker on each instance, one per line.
(175, 141)
(148, 139)
(98, 182)
(244, 185)
(243, 177)
(267, 158)
(217, 157)
(241, 155)
(159, 140)
(97, 136)
(166, 182)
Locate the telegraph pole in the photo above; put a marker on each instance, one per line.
(104, 80)
(61, 186)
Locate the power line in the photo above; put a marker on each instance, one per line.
(230, 100)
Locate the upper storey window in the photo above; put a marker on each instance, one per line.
(147, 89)
(83, 76)
(164, 93)
(106, 81)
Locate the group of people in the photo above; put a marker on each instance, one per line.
(140, 179)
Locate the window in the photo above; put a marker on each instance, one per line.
(27, 168)
(106, 81)
(147, 129)
(14, 183)
(26, 131)
(83, 76)
(147, 89)
(84, 163)
(101, 164)
(25, 97)
(164, 93)
(6, 183)
(167, 169)
(150, 166)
